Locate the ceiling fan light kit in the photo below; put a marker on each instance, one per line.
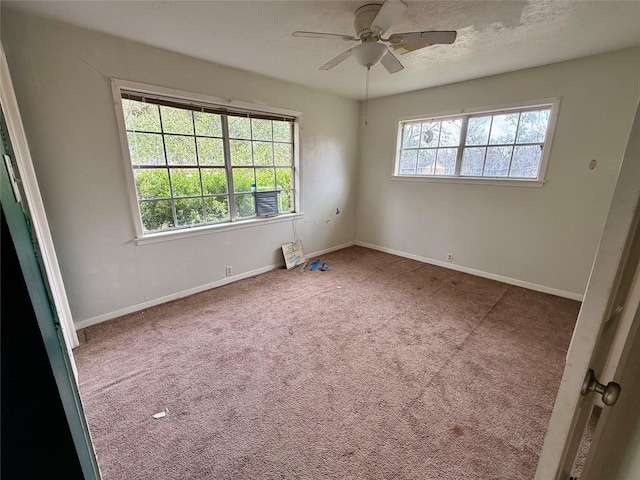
(369, 54)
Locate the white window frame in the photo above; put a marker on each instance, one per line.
(553, 102)
(142, 237)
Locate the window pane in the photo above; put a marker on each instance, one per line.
(282, 154)
(408, 160)
(283, 178)
(450, 133)
(478, 130)
(152, 183)
(526, 161)
(240, 152)
(281, 131)
(210, 151)
(157, 215)
(140, 116)
(214, 180)
(245, 206)
(261, 129)
(185, 182)
(533, 126)
(243, 180)
(411, 135)
(189, 211)
(446, 164)
(180, 150)
(216, 209)
(284, 201)
(239, 127)
(265, 179)
(262, 153)
(430, 134)
(145, 148)
(503, 129)
(176, 120)
(472, 161)
(497, 164)
(426, 161)
(208, 124)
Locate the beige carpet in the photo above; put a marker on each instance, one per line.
(378, 368)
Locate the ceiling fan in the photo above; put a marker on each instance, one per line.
(371, 22)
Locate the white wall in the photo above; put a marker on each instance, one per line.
(69, 118)
(544, 237)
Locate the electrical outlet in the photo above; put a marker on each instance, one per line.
(228, 271)
(450, 257)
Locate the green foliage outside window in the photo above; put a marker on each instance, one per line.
(181, 173)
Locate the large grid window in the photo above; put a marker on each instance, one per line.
(505, 144)
(195, 165)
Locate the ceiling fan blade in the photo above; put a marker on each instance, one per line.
(422, 38)
(339, 59)
(332, 36)
(403, 48)
(391, 63)
(390, 11)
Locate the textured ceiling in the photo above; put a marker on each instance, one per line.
(493, 37)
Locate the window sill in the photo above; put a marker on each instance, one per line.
(209, 229)
(506, 182)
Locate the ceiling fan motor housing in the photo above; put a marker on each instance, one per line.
(364, 16)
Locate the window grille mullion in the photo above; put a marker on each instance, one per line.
(463, 137)
(486, 150)
(195, 141)
(515, 142)
(166, 161)
(415, 169)
(227, 166)
(293, 206)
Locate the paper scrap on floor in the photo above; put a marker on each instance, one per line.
(161, 414)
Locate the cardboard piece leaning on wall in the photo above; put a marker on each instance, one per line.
(293, 254)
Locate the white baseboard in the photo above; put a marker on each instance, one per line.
(191, 291)
(331, 249)
(478, 273)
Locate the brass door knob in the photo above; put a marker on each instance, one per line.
(610, 392)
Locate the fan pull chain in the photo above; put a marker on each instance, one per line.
(366, 96)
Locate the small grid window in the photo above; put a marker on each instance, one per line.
(506, 144)
(196, 165)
